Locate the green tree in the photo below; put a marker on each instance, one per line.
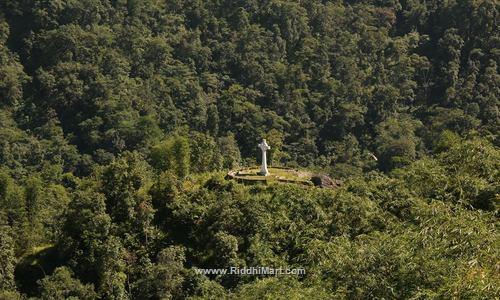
(205, 154)
(8, 260)
(62, 285)
(397, 143)
(87, 227)
(230, 151)
(173, 154)
(168, 272)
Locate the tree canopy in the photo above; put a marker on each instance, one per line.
(118, 120)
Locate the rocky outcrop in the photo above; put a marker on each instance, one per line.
(325, 182)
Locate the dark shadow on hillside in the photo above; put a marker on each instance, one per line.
(34, 267)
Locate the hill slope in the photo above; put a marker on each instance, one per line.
(118, 117)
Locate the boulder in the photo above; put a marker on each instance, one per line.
(325, 182)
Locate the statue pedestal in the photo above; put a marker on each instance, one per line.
(263, 173)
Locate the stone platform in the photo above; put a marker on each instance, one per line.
(276, 174)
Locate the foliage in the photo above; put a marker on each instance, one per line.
(118, 120)
(62, 285)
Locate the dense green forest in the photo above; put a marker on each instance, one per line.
(120, 118)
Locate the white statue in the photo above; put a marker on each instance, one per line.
(263, 168)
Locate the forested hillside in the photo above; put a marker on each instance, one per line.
(119, 119)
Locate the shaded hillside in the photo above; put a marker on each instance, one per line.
(119, 118)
